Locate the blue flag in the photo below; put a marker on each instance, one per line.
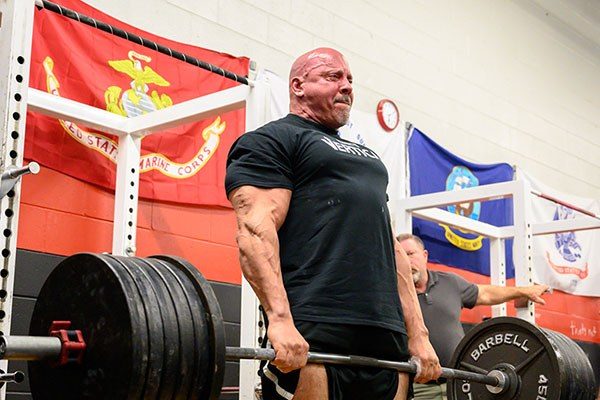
(435, 169)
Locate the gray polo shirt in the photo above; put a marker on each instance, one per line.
(445, 296)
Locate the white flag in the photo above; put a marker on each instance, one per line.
(568, 261)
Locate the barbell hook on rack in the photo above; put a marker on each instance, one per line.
(11, 175)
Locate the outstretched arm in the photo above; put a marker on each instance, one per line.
(260, 213)
(418, 335)
(491, 294)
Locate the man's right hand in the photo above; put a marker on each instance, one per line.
(422, 352)
(291, 350)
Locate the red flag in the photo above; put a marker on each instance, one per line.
(72, 60)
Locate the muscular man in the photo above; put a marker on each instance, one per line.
(316, 245)
(442, 295)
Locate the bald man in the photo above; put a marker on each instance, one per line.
(316, 246)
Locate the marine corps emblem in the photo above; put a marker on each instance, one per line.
(136, 100)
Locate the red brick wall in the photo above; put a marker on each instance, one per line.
(62, 215)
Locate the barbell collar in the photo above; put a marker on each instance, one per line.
(492, 380)
(502, 378)
(30, 348)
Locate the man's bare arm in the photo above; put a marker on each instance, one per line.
(418, 335)
(260, 213)
(492, 294)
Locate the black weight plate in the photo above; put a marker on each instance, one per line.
(200, 386)
(171, 340)
(213, 319)
(542, 360)
(136, 269)
(577, 375)
(86, 290)
(509, 341)
(188, 360)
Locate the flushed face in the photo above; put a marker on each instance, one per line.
(321, 87)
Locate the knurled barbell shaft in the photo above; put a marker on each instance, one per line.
(243, 353)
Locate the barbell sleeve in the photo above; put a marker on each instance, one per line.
(244, 353)
(30, 348)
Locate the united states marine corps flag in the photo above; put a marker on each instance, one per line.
(69, 59)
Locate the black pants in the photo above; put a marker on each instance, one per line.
(344, 382)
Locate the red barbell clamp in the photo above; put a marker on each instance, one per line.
(73, 345)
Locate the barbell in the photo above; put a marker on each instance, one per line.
(111, 327)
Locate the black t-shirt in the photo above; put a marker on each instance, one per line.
(336, 245)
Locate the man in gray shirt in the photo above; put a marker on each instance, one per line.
(442, 295)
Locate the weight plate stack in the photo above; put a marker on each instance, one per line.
(209, 324)
(152, 301)
(106, 306)
(541, 364)
(577, 375)
(183, 312)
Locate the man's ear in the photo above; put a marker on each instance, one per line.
(426, 254)
(297, 86)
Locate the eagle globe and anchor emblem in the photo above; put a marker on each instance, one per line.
(136, 100)
(461, 178)
(139, 100)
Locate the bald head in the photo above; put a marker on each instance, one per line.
(312, 59)
(321, 87)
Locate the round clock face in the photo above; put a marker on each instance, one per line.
(388, 115)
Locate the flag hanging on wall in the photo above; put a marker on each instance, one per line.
(185, 164)
(434, 169)
(568, 261)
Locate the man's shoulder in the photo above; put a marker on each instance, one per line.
(279, 128)
(447, 276)
(270, 126)
(442, 274)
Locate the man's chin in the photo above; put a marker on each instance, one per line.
(343, 117)
(416, 277)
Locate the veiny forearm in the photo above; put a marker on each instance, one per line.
(260, 213)
(259, 259)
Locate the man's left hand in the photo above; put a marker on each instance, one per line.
(535, 292)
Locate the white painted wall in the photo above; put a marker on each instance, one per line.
(491, 80)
